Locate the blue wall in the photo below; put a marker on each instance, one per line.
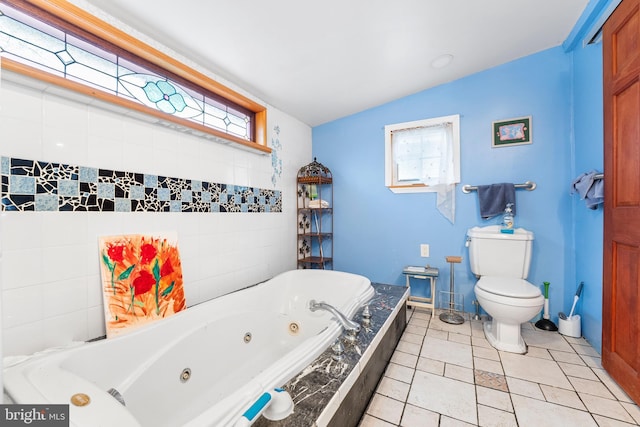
(377, 232)
(588, 224)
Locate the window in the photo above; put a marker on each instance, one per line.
(422, 154)
(66, 46)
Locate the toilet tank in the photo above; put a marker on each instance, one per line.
(492, 253)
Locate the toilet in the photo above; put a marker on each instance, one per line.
(501, 263)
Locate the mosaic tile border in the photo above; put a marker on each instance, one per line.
(32, 185)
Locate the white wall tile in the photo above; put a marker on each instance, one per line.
(24, 339)
(61, 330)
(22, 305)
(19, 101)
(57, 226)
(64, 297)
(21, 230)
(21, 138)
(51, 264)
(60, 145)
(22, 267)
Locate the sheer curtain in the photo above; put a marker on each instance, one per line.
(446, 199)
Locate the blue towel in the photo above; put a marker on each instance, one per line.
(589, 189)
(494, 198)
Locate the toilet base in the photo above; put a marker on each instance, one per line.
(504, 337)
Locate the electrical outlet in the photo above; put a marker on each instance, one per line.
(424, 250)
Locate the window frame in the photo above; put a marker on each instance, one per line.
(75, 20)
(389, 158)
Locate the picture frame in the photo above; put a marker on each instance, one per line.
(510, 132)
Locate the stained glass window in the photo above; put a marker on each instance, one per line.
(41, 45)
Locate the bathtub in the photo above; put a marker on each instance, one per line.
(205, 366)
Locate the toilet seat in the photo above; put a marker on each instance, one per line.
(508, 287)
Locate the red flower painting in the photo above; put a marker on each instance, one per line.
(142, 280)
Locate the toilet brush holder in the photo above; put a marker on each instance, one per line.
(570, 326)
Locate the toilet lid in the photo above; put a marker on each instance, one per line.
(508, 286)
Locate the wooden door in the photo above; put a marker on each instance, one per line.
(621, 263)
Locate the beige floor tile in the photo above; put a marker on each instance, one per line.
(399, 372)
(524, 388)
(404, 359)
(491, 417)
(476, 325)
(447, 351)
(610, 422)
(494, 398)
(595, 388)
(422, 323)
(545, 339)
(562, 397)
(488, 365)
(533, 369)
(412, 338)
(592, 361)
(418, 323)
(369, 421)
(393, 388)
(540, 353)
(436, 333)
(612, 386)
(477, 333)
(486, 353)
(480, 342)
(422, 314)
(413, 329)
(633, 410)
(458, 373)
(532, 412)
(577, 371)
(574, 340)
(385, 408)
(452, 422)
(445, 396)
(608, 408)
(419, 417)
(408, 347)
(585, 350)
(568, 357)
(464, 329)
(462, 339)
(430, 365)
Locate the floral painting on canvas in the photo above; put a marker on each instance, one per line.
(141, 280)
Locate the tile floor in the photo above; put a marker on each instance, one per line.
(449, 375)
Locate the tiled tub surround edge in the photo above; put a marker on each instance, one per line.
(32, 185)
(330, 393)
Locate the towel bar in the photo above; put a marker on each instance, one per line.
(528, 185)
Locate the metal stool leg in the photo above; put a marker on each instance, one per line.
(450, 316)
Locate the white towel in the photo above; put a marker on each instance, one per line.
(318, 203)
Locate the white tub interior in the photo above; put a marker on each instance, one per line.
(227, 373)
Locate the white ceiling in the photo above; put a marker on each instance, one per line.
(322, 60)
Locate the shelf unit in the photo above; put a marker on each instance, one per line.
(315, 216)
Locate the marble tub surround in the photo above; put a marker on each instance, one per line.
(321, 392)
(449, 375)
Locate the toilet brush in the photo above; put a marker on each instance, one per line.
(544, 323)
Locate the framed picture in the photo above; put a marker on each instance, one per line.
(511, 132)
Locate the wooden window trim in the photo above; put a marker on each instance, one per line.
(95, 26)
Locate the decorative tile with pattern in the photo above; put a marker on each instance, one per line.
(491, 380)
(31, 185)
